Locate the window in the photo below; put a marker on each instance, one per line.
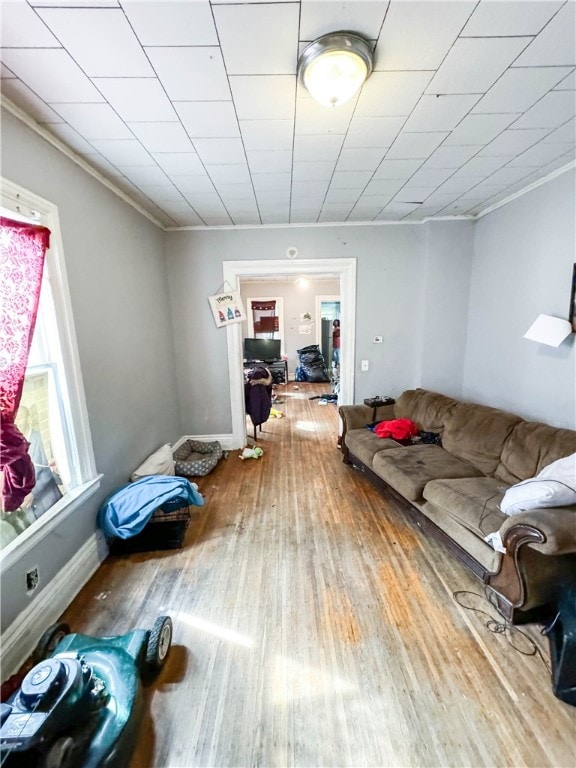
(52, 413)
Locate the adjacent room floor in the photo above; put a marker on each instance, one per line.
(314, 625)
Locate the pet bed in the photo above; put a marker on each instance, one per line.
(195, 458)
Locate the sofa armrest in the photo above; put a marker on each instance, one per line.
(556, 524)
(357, 416)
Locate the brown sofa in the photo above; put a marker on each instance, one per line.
(455, 490)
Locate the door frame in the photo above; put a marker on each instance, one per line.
(345, 270)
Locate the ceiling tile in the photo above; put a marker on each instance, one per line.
(264, 97)
(220, 151)
(317, 148)
(146, 174)
(21, 27)
(430, 177)
(414, 145)
(183, 214)
(208, 119)
(451, 157)
(384, 187)
(230, 175)
(512, 142)
(5, 73)
(474, 64)
(538, 155)
(551, 111)
(321, 18)
(137, 99)
(157, 136)
(507, 175)
(310, 171)
(555, 45)
(418, 35)
(367, 132)
(568, 83)
(266, 181)
(505, 18)
(172, 23)
(350, 179)
(270, 161)
(280, 216)
(195, 188)
(173, 65)
(397, 169)
(375, 201)
(396, 210)
(566, 134)
(268, 41)
(52, 74)
(70, 137)
(335, 211)
(309, 188)
(94, 121)
(481, 167)
(161, 193)
(238, 193)
(82, 31)
(413, 194)
(518, 89)
(479, 129)
(364, 212)
(387, 94)
(23, 97)
(313, 118)
(337, 195)
(439, 113)
(179, 163)
(360, 159)
(101, 164)
(125, 153)
(267, 134)
(454, 187)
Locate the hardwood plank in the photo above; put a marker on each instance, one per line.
(316, 626)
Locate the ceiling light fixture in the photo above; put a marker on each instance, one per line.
(334, 67)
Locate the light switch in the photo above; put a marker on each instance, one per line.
(365, 365)
(377, 339)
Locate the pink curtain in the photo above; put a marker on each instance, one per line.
(22, 250)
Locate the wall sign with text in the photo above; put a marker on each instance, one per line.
(227, 308)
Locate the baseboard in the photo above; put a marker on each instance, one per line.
(226, 441)
(21, 637)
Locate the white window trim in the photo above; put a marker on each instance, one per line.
(31, 205)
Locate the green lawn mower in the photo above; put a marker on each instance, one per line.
(81, 705)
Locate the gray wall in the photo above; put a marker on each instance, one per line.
(297, 300)
(403, 272)
(523, 257)
(119, 292)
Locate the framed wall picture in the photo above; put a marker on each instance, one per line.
(227, 308)
(572, 310)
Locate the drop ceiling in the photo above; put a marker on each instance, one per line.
(192, 108)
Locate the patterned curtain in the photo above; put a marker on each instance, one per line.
(265, 319)
(22, 250)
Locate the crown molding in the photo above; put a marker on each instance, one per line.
(78, 159)
(529, 188)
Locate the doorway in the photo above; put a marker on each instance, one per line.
(344, 270)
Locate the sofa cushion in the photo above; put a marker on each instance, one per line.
(427, 409)
(410, 468)
(364, 444)
(474, 502)
(477, 433)
(532, 446)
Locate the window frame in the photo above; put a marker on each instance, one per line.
(30, 205)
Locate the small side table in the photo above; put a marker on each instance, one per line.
(377, 402)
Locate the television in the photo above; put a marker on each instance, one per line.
(263, 350)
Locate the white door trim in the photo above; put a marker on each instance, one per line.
(233, 271)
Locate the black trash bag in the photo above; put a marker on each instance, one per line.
(313, 365)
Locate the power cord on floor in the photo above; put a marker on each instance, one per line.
(502, 626)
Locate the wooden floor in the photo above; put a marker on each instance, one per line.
(316, 626)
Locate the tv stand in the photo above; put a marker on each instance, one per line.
(278, 369)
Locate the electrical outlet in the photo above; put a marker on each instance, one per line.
(377, 339)
(365, 365)
(32, 578)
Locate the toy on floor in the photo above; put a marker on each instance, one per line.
(275, 413)
(82, 704)
(251, 453)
